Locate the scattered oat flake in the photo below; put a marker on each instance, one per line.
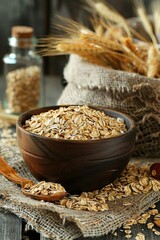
(140, 236)
(128, 236)
(150, 225)
(115, 234)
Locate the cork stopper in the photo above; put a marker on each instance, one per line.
(22, 32)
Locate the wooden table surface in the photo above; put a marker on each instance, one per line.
(11, 226)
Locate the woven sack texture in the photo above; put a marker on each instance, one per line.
(131, 93)
(58, 222)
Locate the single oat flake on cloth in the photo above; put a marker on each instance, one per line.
(59, 222)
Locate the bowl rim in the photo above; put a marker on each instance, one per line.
(129, 131)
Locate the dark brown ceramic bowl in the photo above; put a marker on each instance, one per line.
(77, 165)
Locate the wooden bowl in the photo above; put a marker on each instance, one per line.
(78, 165)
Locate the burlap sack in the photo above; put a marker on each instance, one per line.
(130, 93)
(57, 222)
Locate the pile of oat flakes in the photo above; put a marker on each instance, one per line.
(75, 123)
(134, 180)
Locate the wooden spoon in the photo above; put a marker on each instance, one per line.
(25, 183)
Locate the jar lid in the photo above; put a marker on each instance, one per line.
(22, 31)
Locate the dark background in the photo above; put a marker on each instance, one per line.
(40, 15)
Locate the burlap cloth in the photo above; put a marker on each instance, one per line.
(130, 93)
(57, 222)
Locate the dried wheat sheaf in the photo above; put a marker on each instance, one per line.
(112, 42)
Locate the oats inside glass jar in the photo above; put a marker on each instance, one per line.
(75, 123)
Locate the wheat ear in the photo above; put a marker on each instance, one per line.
(109, 14)
(152, 62)
(141, 11)
(155, 7)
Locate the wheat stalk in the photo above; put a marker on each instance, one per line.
(137, 34)
(91, 48)
(69, 32)
(98, 26)
(109, 14)
(131, 50)
(84, 47)
(132, 46)
(101, 41)
(152, 62)
(116, 51)
(155, 7)
(97, 59)
(68, 27)
(141, 11)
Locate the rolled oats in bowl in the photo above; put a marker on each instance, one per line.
(75, 123)
(81, 147)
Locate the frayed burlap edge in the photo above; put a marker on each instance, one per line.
(90, 76)
(58, 222)
(131, 93)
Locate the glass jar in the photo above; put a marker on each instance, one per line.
(23, 86)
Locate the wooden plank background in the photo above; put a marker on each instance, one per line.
(10, 227)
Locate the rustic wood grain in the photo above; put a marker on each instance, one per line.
(10, 227)
(139, 228)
